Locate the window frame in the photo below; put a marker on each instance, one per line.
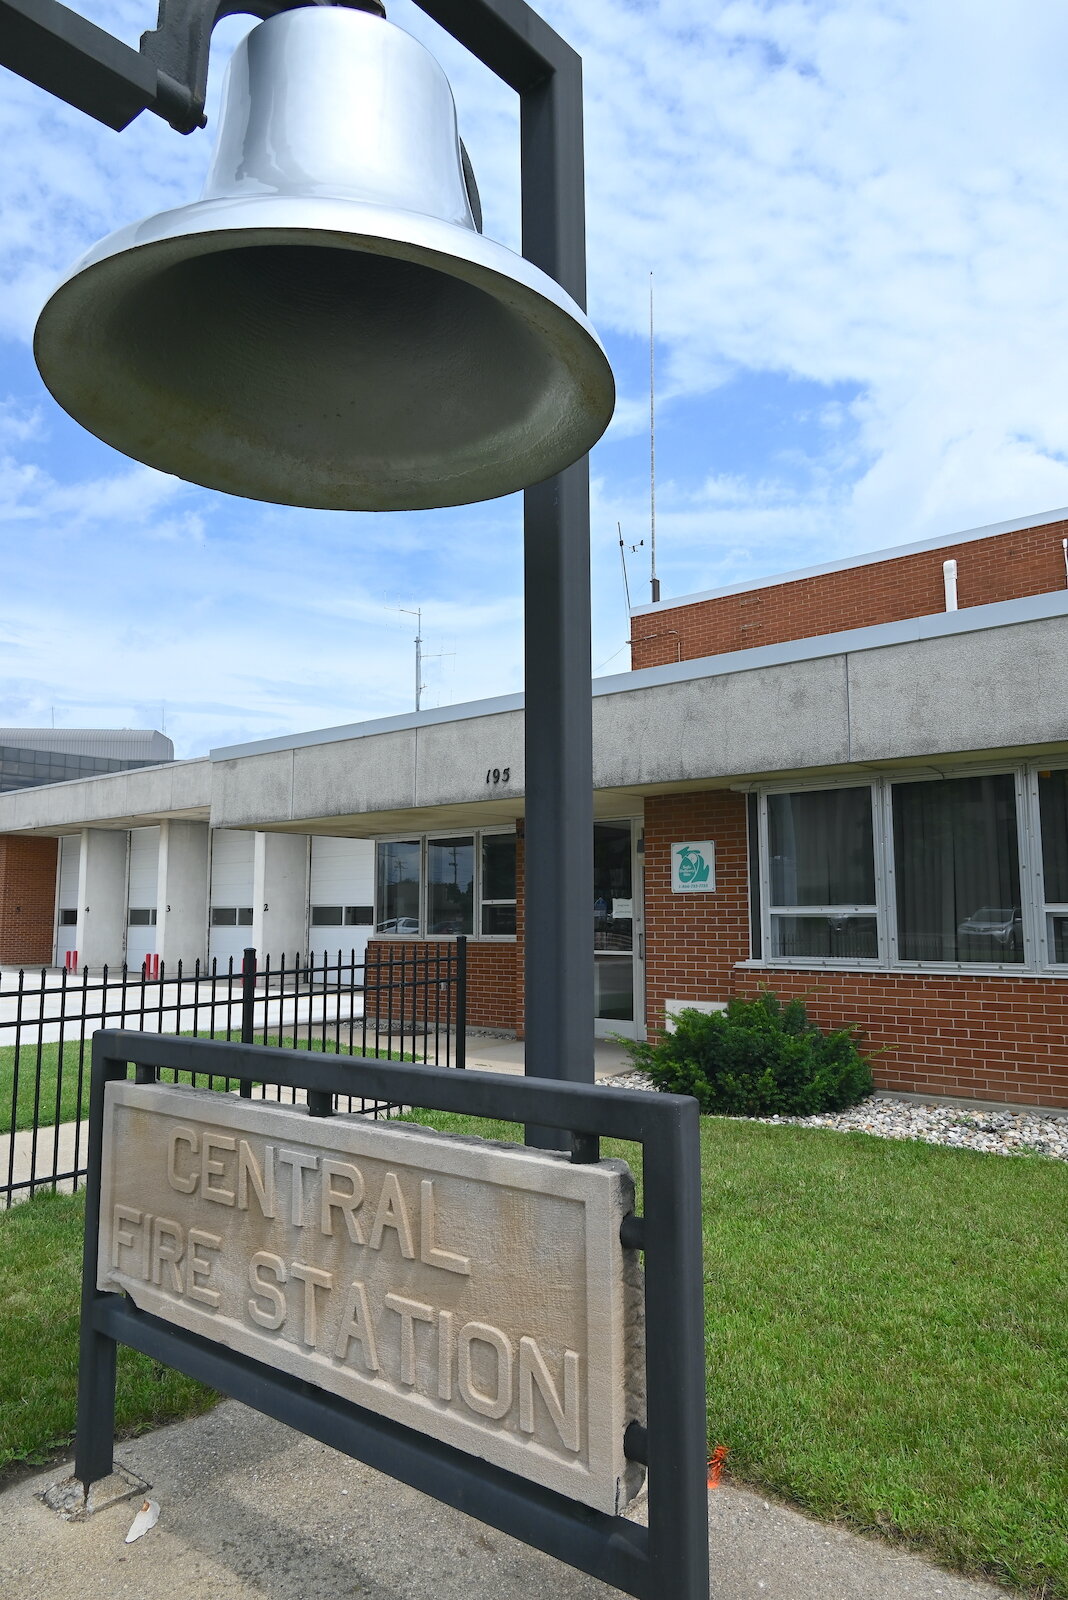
(480, 898)
(476, 836)
(243, 917)
(1035, 910)
(1040, 908)
(770, 912)
(458, 836)
(408, 837)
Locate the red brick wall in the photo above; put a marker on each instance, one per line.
(27, 899)
(492, 972)
(692, 941)
(983, 1037)
(1002, 567)
(988, 1038)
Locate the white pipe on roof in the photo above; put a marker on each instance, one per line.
(949, 579)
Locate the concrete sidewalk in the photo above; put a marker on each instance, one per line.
(253, 1511)
(486, 1053)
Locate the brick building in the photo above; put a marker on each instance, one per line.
(849, 783)
(957, 997)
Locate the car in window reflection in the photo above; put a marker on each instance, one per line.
(400, 925)
(1002, 924)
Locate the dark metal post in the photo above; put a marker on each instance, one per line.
(94, 1442)
(559, 728)
(675, 1381)
(248, 1009)
(460, 1059)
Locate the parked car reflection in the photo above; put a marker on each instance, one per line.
(1003, 924)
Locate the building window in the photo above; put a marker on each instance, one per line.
(398, 870)
(498, 885)
(142, 916)
(450, 885)
(821, 875)
(342, 916)
(1053, 814)
(917, 872)
(444, 885)
(957, 870)
(231, 916)
(68, 917)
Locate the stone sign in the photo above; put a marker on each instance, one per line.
(475, 1291)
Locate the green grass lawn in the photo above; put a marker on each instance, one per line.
(887, 1337)
(63, 1082)
(40, 1292)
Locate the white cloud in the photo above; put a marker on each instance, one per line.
(861, 194)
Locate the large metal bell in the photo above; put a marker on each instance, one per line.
(326, 326)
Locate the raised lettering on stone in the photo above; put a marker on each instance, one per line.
(475, 1292)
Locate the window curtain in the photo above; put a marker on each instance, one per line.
(821, 854)
(957, 867)
(820, 848)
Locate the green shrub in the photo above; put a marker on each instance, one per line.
(759, 1058)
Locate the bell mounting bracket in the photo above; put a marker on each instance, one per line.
(178, 48)
(90, 69)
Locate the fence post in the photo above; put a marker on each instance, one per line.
(461, 1000)
(248, 1009)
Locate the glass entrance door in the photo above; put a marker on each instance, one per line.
(617, 929)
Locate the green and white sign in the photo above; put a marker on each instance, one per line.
(693, 867)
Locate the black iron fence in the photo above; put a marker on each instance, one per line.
(400, 1003)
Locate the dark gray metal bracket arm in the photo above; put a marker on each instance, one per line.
(76, 61)
(178, 46)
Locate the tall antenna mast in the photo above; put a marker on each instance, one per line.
(654, 581)
(419, 684)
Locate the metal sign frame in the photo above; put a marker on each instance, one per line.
(670, 1556)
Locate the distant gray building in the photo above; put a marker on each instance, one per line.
(32, 756)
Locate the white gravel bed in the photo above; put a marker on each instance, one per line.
(997, 1133)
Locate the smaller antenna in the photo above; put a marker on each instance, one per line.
(623, 564)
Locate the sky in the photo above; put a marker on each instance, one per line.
(855, 215)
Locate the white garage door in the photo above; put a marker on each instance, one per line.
(70, 854)
(141, 913)
(342, 898)
(230, 917)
